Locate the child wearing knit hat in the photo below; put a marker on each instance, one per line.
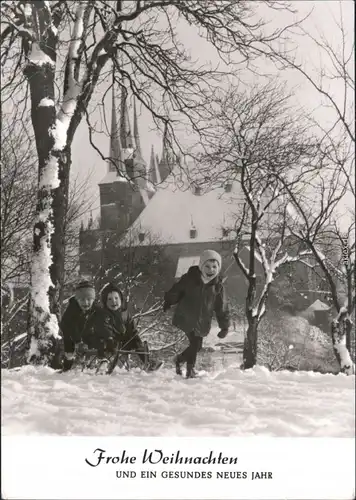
(198, 294)
(78, 321)
(116, 318)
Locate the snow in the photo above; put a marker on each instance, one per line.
(38, 57)
(27, 9)
(77, 32)
(46, 102)
(60, 130)
(49, 177)
(40, 284)
(33, 350)
(230, 402)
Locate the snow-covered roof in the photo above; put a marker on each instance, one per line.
(112, 177)
(318, 305)
(174, 211)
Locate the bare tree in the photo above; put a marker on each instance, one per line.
(254, 135)
(322, 218)
(80, 206)
(18, 190)
(313, 221)
(139, 38)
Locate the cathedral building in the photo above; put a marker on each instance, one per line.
(149, 210)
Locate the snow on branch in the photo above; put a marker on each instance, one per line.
(49, 178)
(240, 263)
(38, 58)
(45, 102)
(76, 40)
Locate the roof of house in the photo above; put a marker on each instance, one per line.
(175, 210)
(318, 305)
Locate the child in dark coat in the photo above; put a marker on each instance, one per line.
(117, 319)
(198, 294)
(80, 324)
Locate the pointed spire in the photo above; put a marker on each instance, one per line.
(164, 157)
(153, 172)
(136, 132)
(115, 143)
(91, 221)
(152, 175)
(125, 131)
(165, 165)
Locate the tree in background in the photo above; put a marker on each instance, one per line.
(314, 221)
(79, 206)
(323, 218)
(254, 135)
(18, 190)
(63, 49)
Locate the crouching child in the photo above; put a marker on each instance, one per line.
(124, 333)
(198, 294)
(79, 324)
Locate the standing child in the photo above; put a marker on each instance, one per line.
(198, 294)
(117, 319)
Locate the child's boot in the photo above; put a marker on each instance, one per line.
(178, 366)
(191, 373)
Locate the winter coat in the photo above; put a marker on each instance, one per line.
(121, 328)
(77, 326)
(197, 302)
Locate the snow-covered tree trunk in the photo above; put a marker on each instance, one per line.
(340, 331)
(54, 133)
(43, 324)
(60, 209)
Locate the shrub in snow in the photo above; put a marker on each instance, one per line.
(164, 340)
(312, 348)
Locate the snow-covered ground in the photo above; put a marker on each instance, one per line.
(221, 403)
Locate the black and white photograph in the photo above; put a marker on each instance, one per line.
(178, 220)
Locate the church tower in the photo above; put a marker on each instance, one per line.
(125, 190)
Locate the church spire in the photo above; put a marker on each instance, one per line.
(165, 165)
(153, 172)
(136, 131)
(152, 169)
(125, 131)
(117, 160)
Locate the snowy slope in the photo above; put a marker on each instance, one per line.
(226, 403)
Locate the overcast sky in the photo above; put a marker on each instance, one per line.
(321, 20)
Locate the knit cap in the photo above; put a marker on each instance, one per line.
(84, 284)
(209, 255)
(85, 288)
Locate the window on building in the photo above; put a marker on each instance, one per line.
(228, 187)
(193, 233)
(141, 237)
(225, 232)
(197, 190)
